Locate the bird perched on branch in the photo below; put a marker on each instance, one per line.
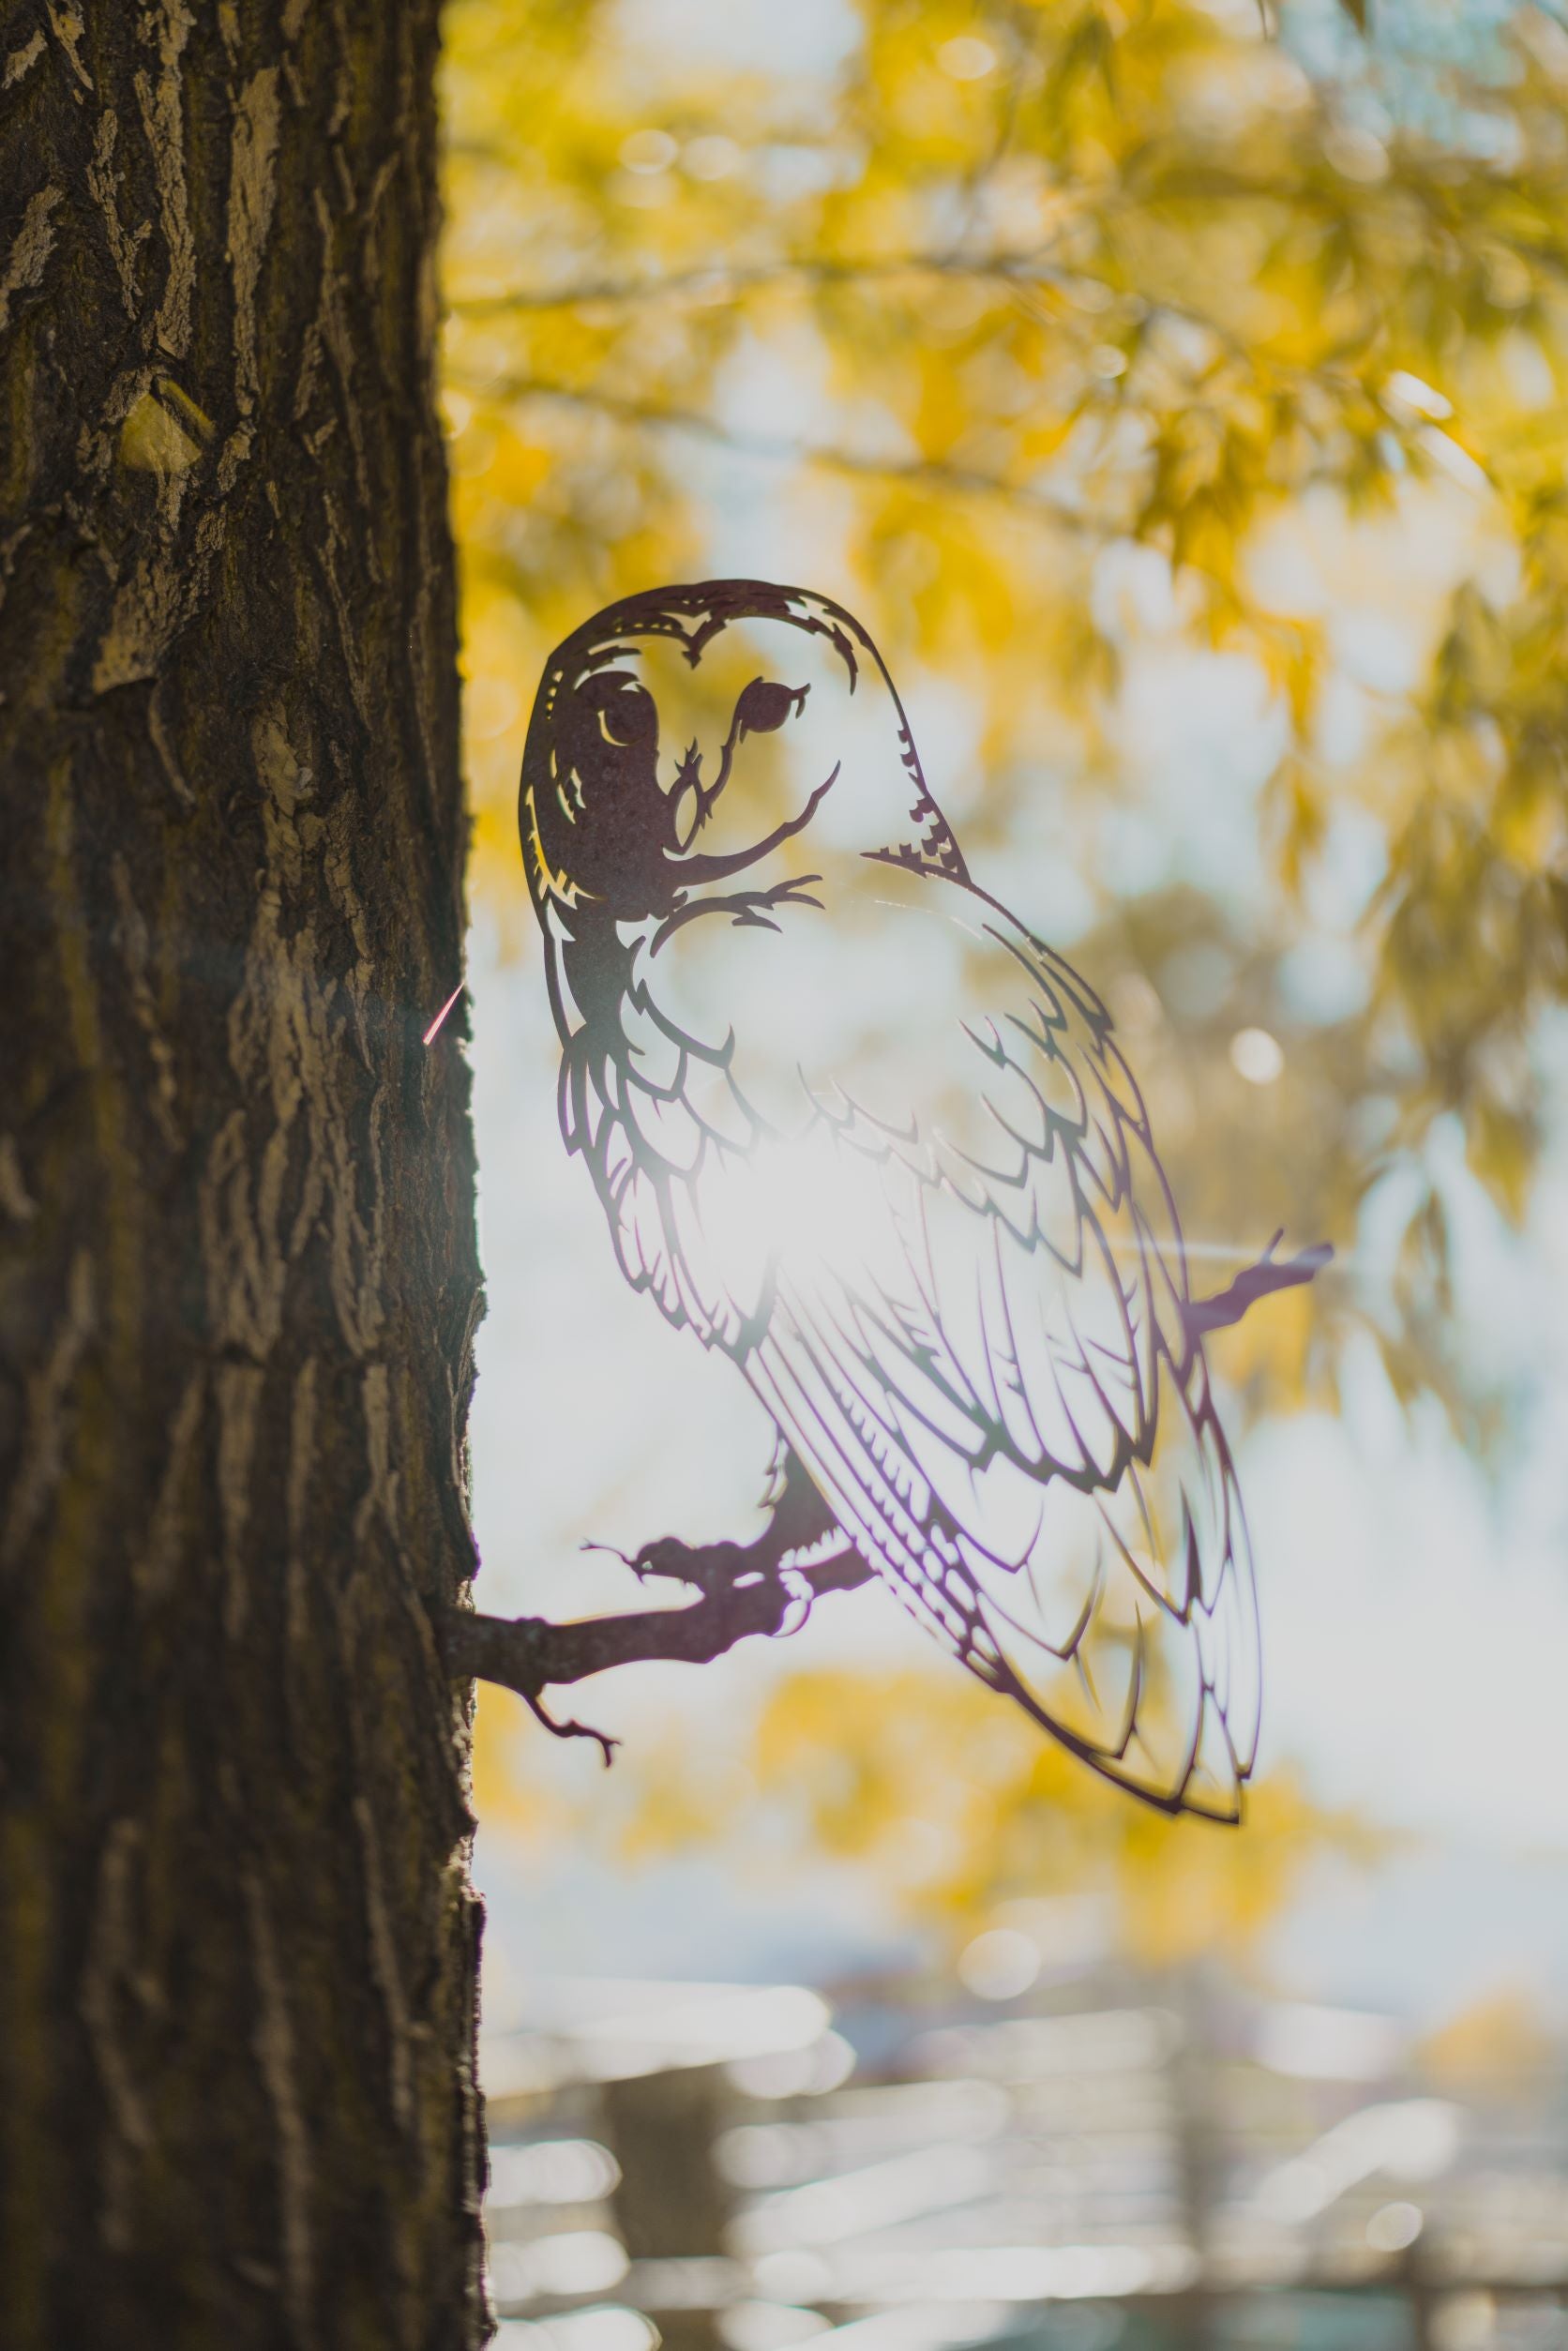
(857, 1127)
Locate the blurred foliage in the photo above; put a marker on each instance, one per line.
(954, 1807)
(1099, 354)
(1499, 2043)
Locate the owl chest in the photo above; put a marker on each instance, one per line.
(749, 1075)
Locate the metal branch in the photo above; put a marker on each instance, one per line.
(1268, 1275)
(529, 1655)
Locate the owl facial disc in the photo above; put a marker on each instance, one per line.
(693, 735)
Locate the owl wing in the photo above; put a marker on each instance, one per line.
(979, 1347)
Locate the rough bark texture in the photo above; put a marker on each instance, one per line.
(237, 1276)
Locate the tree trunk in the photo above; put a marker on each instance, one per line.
(237, 1272)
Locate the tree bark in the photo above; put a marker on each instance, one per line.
(237, 1271)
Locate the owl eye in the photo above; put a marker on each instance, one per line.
(764, 706)
(627, 714)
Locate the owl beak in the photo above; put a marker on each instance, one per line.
(718, 868)
(689, 802)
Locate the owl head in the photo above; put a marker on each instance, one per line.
(689, 736)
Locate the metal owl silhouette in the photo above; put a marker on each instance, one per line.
(939, 1245)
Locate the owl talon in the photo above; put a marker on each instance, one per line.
(711, 1568)
(798, 1595)
(717, 1570)
(666, 1556)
